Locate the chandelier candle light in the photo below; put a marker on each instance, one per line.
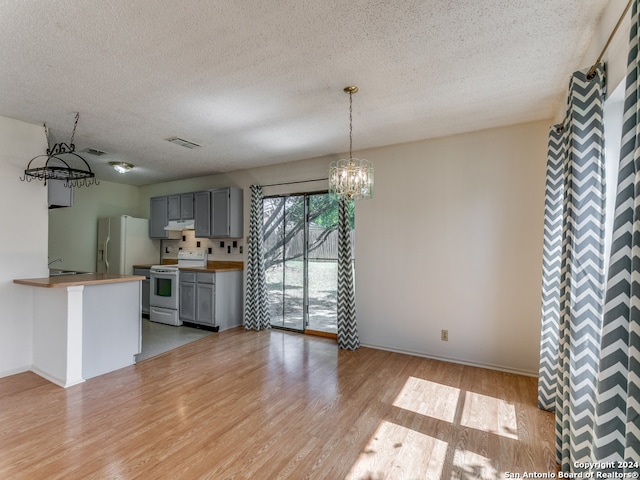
(352, 178)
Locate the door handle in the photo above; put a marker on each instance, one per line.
(106, 253)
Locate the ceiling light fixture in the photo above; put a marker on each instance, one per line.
(352, 178)
(121, 167)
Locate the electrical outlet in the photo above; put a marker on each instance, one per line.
(240, 248)
(444, 335)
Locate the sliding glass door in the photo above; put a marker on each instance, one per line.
(301, 260)
(284, 230)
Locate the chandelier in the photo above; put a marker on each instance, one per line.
(352, 178)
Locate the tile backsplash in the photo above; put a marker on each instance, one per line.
(170, 248)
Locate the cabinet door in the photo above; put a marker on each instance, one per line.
(158, 217)
(187, 301)
(174, 207)
(205, 304)
(186, 206)
(146, 290)
(146, 287)
(236, 212)
(202, 214)
(220, 213)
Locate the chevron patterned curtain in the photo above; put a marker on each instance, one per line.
(256, 308)
(347, 327)
(617, 430)
(573, 278)
(551, 259)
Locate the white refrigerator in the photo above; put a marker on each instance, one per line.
(123, 242)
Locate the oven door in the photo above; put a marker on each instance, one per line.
(163, 291)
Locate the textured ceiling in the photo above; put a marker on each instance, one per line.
(260, 82)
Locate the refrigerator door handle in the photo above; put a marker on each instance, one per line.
(106, 253)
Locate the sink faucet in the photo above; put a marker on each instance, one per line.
(54, 261)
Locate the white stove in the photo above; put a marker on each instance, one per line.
(163, 296)
(192, 258)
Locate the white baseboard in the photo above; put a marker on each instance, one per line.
(15, 371)
(499, 368)
(52, 379)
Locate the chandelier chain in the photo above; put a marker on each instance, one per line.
(350, 124)
(46, 134)
(73, 134)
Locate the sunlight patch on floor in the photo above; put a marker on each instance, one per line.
(395, 451)
(428, 398)
(467, 464)
(489, 414)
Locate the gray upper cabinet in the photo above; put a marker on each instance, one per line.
(217, 213)
(58, 194)
(174, 207)
(202, 217)
(227, 212)
(181, 206)
(158, 217)
(186, 206)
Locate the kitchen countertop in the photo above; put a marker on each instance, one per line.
(212, 266)
(78, 279)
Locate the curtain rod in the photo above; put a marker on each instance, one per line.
(592, 70)
(292, 183)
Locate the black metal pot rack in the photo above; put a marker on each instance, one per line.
(57, 168)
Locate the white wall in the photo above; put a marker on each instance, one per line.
(73, 230)
(452, 240)
(23, 242)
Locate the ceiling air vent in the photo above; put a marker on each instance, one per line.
(182, 142)
(94, 151)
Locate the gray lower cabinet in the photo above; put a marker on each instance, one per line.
(146, 285)
(211, 299)
(197, 298)
(187, 296)
(205, 299)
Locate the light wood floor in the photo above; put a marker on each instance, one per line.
(270, 405)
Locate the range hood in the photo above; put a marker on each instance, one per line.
(175, 225)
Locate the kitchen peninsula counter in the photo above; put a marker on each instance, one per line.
(84, 325)
(60, 281)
